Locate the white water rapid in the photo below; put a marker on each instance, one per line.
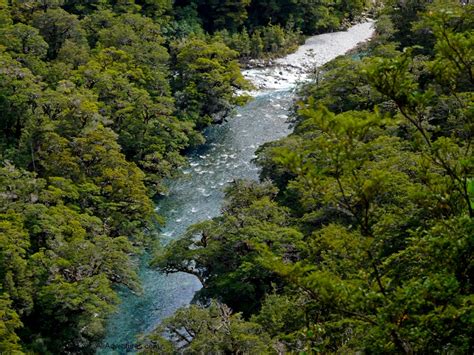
(227, 155)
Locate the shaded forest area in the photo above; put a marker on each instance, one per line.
(359, 238)
(99, 101)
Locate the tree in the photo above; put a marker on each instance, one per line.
(223, 254)
(58, 264)
(56, 26)
(446, 146)
(74, 270)
(142, 115)
(14, 274)
(18, 88)
(210, 330)
(9, 322)
(24, 40)
(208, 77)
(227, 14)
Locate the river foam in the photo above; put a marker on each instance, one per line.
(198, 194)
(286, 72)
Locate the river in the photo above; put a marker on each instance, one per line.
(227, 155)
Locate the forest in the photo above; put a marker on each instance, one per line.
(99, 103)
(359, 236)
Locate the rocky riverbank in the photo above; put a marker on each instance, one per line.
(284, 73)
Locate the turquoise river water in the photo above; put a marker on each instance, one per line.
(194, 196)
(197, 194)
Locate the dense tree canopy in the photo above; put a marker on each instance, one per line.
(207, 76)
(90, 126)
(359, 238)
(99, 101)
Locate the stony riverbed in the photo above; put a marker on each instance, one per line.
(285, 73)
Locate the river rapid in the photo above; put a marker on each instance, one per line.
(197, 194)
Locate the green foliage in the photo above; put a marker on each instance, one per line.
(446, 140)
(282, 314)
(219, 14)
(197, 330)
(98, 101)
(222, 253)
(9, 322)
(59, 263)
(57, 26)
(341, 86)
(206, 80)
(403, 15)
(67, 231)
(359, 239)
(186, 23)
(309, 16)
(14, 273)
(264, 42)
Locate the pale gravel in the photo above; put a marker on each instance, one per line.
(317, 50)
